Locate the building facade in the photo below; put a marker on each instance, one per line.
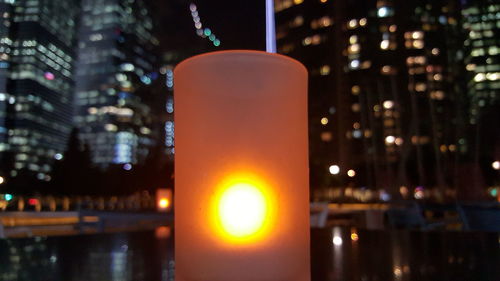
(37, 63)
(384, 97)
(481, 24)
(115, 67)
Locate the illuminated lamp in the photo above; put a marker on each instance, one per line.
(241, 168)
(163, 199)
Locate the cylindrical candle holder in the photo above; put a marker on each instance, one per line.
(241, 168)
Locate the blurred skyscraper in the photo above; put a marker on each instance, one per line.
(386, 89)
(36, 86)
(115, 66)
(5, 43)
(481, 23)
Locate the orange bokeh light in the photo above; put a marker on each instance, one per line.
(163, 203)
(243, 210)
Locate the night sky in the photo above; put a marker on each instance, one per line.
(239, 24)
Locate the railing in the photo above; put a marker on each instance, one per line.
(139, 202)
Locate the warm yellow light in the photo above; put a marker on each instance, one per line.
(324, 121)
(334, 169)
(496, 165)
(242, 210)
(354, 236)
(351, 173)
(163, 203)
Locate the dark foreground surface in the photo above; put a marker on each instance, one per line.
(337, 254)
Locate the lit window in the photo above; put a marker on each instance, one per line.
(95, 37)
(355, 90)
(351, 173)
(353, 39)
(390, 139)
(357, 134)
(324, 70)
(352, 24)
(420, 87)
(387, 69)
(384, 44)
(437, 95)
(388, 104)
(110, 127)
(480, 77)
(354, 49)
(354, 64)
(493, 76)
(418, 44)
(384, 12)
(417, 35)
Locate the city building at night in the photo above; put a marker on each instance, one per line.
(115, 67)
(481, 25)
(5, 44)
(385, 89)
(305, 31)
(36, 83)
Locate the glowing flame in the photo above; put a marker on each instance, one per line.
(242, 210)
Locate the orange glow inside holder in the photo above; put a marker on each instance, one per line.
(242, 211)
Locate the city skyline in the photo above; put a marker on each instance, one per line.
(399, 95)
(388, 95)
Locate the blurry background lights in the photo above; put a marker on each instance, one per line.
(419, 192)
(163, 199)
(127, 167)
(163, 203)
(337, 240)
(382, 12)
(8, 197)
(324, 121)
(351, 173)
(334, 169)
(49, 75)
(390, 139)
(354, 236)
(2, 180)
(388, 104)
(496, 165)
